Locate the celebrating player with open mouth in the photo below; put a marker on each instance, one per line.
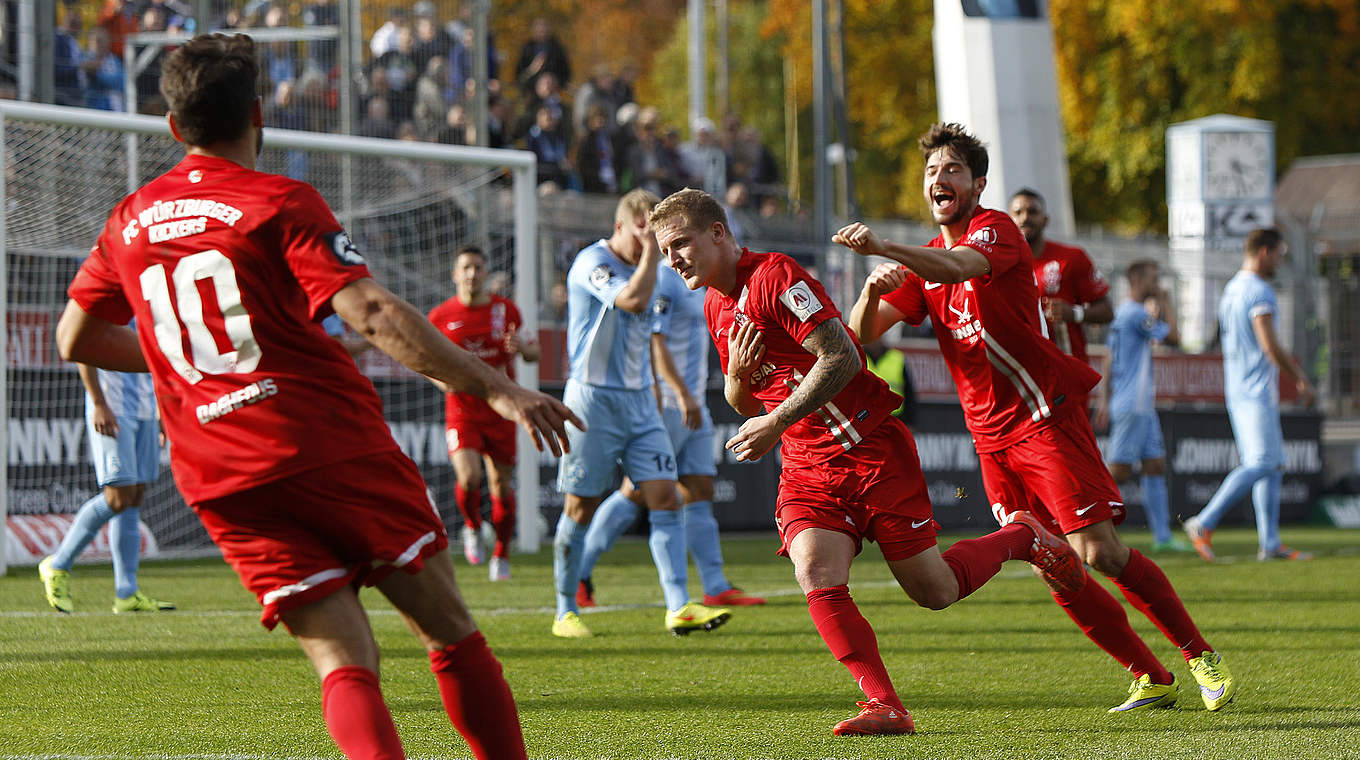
(976, 283)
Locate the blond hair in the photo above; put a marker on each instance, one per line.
(634, 203)
(697, 209)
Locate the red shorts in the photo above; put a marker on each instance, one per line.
(874, 491)
(1057, 474)
(296, 540)
(494, 437)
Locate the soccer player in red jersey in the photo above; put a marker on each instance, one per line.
(1037, 452)
(487, 325)
(279, 443)
(849, 468)
(1072, 289)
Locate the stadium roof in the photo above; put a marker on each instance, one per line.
(1323, 193)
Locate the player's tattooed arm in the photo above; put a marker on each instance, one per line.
(837, 363)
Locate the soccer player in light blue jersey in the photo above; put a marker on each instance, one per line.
(680, 356)
(1252, 361)
(610, 319)
(1128, 393)
(120, 418)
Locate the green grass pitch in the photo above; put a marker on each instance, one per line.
(1003, 674)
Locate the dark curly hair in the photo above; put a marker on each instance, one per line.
(957, 139)
(210, 83)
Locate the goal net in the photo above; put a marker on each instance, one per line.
(406, 205)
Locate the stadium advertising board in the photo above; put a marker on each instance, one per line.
(50, 475)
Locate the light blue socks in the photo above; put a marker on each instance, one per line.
(89, 519)
(611, 520)
(667, 542)
(1156, 507)
(126, 540)
(701, 536)
(567, 549)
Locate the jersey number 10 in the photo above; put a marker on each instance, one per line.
(156, 289)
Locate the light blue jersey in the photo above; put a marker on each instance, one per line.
(129, 394)
(608, 347)
(1248, 374)
(680, 317)
(1132, 387)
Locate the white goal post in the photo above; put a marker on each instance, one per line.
(407, 205)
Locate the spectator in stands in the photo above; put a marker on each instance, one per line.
(625, 90)
(498, 123)
(546, 94)
(461, 29)
(650, 165)
(155, 18)
(384, 39)
(548, 140)
(703, 159)
(280, 60)
(103, 73)
(596, 91)
(542, 54)
(401, 73)
(431, 110)
(285, 112)
(377, 121)
(625, 134)
(322, 53)
(430, 38)
(753, 163)
(454, 131)
(68, 78)
(595, 154)
(119, 19)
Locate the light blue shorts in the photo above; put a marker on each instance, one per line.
(133, 456)
(1134, 437)
(625, 429)
(694, 453)
(1256, 426)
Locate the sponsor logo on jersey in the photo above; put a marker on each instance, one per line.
(969, 329)
(931, 285)
(344, 250)
(984, 236)
(600, 276)
(229, 402)
(800, 300)
(453, 325)
(196, 176)
(762, 374)
(1052, 277)
(662, 305)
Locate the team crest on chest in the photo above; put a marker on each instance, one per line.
(1052, 277)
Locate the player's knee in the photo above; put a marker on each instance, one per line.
(470, 481)
(1121, 472)
(1107, 559)
(935, 598)
(120, 498)
(696, 488)
(1154, 466)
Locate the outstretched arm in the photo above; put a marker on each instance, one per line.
(398, 329)
(837, 364)
(932, 264)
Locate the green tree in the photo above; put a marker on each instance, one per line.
(1127, 71)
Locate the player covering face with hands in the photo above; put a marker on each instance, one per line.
(849, 469)
(306, 503)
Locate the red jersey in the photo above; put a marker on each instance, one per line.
(228, 272)
(786, 304)
(1012, 379)
(1066, 272)
(482, 331)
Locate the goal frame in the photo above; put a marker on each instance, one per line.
(523, 168)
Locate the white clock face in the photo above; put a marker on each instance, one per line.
(1237, 165)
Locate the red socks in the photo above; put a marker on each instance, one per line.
(976, 560)
(848, 635)
(1102, 619)
(357, 717)
(503, 520)
(470, 504)
(1147, 589)
(478, 700)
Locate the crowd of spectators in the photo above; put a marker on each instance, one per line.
(417, 83)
